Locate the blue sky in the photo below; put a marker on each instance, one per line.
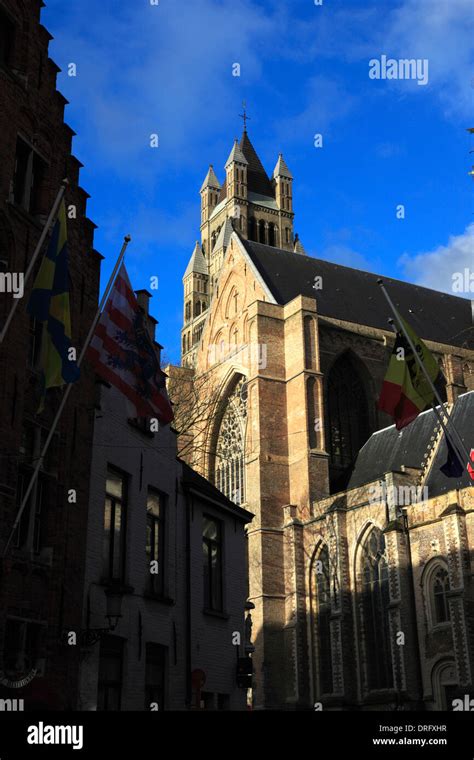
(167, 69)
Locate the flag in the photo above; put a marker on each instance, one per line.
(470, 467)
(453, 467)
(406, 391)
(123, 354)
(49, 304)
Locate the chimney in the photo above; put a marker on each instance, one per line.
(143, 298)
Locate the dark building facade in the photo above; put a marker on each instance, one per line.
(42, 573)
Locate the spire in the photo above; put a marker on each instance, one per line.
(197, 262)
(281, 169)
(210, 180)
(257, 178)
(298, 246)
(224, 235)
(236, 155)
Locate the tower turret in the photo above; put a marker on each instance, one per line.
(196, 301)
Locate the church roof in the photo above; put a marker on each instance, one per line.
(236, 155)
(352, 295)
(281, 169)
(224, 235)
(257, 178)
(387, 450)
(210, 180)
(262, 200)
(197, 262)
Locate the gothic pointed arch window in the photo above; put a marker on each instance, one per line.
(229, 468)
(347, 419)
(252, 229)
(261, 232)
(321, 583)
(271, 234)
(436, 589)
(374, 612)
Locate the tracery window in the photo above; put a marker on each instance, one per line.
(375, 603)
(230, 449)
(348, 419)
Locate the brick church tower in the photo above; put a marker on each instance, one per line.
(288, 376)
(258, 208)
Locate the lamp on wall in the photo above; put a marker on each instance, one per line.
(114, 594)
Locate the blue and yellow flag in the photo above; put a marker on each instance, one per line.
(49, 304)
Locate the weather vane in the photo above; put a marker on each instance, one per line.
(244, 115)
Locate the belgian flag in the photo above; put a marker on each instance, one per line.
(49, 304)
(406, 391)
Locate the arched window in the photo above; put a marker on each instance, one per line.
(288, 234)
(271, 235)
(188, 311)
(375, 598)
(229, 470)
(252, 229)
(197, 308)
(184, 344)
(261, 232)
(348, 419)
(322, 585)
(436, 588)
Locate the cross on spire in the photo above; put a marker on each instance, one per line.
(244, 115)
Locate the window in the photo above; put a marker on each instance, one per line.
(436, 587)
(21, 647)
(375, 605)
(212, 563)
(252, 229)
(323, 618)
(229, 473)
(155, 676)
(348, 419)
(6, 38)
(114, 526)
(261, 232)
(30, 171)
(30, 529)
(271, 235)
(188, 311)
(155, 539)
(440, 586)
(109, 696)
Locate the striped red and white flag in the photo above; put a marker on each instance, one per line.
(123, 354)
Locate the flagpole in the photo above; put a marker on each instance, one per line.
(399, 320)
(65, 397)
(36, 253)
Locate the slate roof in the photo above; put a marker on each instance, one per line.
(262, 200)
(387, 450)
(193, 479)
(257, 178)
(236, 155)
(197, 262)
(210, 180)
(354, 296)
(224, 235)
(281, 168)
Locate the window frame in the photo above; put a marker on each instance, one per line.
(107, 574)
(159, 579)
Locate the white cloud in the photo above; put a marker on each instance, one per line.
(443, 32)
(436, 269)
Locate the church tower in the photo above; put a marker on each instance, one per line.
(196, 301)
(252, 204)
